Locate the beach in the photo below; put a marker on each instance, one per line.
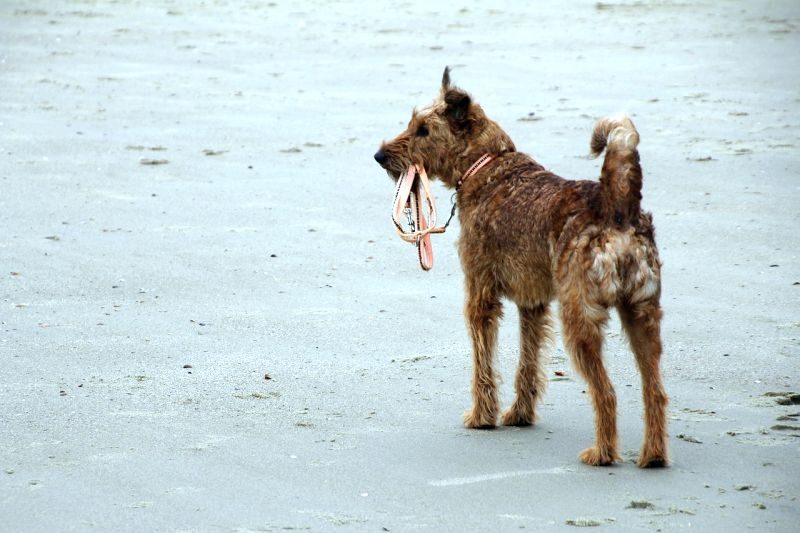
(207, 322)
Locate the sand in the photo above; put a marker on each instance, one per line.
(207, 323)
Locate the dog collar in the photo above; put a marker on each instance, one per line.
(482, 161)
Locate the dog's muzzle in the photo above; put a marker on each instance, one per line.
(381, 157)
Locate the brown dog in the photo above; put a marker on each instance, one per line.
(532, 237)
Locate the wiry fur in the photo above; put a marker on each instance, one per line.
(532, 237)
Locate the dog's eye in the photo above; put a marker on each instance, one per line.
(422, 131)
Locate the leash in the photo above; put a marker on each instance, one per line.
(412, 195)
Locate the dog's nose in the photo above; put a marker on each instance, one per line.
(381, 157)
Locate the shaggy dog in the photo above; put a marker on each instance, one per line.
(532, 237)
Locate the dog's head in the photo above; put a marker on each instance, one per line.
(446, 137)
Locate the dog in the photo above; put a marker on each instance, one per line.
(532, 237)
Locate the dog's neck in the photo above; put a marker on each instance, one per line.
(482, 161)
(490, 139)
(460, 171)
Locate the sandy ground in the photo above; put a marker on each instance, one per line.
(144, 304)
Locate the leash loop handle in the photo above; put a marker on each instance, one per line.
(414, 199)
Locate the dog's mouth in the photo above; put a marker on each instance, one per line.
(394, 164)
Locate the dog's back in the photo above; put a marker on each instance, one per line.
(532, 228)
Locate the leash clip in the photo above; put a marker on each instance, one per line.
(452, 210)
(410, 219)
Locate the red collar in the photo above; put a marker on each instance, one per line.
(482, 161)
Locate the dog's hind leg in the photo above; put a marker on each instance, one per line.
(583, 323)
(531, 381)
(483, 312)
(641, 322)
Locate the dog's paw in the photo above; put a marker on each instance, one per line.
(652, 459)
(514, 416)
(476, 420)
(595, 456)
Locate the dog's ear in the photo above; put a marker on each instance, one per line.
(457, 108)
(446, 80)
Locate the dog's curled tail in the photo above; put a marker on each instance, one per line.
(621, 177)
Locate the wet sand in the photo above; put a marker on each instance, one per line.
(209, 324)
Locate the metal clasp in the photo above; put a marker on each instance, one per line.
(410, 219)
(452, 210)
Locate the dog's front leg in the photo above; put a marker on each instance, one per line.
(483, 312)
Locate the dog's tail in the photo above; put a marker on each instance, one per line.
(621, 177)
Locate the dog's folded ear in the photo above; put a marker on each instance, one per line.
(457, 108)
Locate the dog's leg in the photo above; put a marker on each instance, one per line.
(642, 324)
(483, 312)
(583, 323)
(531, 381)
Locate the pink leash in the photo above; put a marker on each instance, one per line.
(411, 201)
